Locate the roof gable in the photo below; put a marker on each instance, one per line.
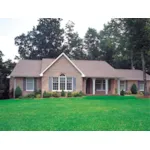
(51, 64)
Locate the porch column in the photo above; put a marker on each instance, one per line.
(85, 86)
(106, 86)
(118, 86)
(93, 86)
(14, 87)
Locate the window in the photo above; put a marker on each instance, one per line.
(122, 86)
(55, 83)
(69, 83)
(100, 85)
(141, 86)
(62, 83)
(29, 84)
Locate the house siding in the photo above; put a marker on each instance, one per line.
(62, 66)
(19, 82)
(131, 82)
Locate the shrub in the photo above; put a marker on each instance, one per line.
(31, 95)
(63, 94)
(55, 94)
(46, 94)
(37, 91)
(134, 89)
(18, 92)
(69, 94)
(128, 92)
(76, 94)
(122, 93)
(38, 95)
(116, 91)
(81, 93)
(140, 93)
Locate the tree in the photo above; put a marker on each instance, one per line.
(5, 70)
(92, 44)
(44, 41)
(139, 35)
(73, 44)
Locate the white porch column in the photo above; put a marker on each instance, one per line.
(93, 86)
(118, 86)
(106, 86)
(14, 87)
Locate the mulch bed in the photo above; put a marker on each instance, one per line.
(146, 97)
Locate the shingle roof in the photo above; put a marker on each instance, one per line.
(90, 68)
(132, 74)
(27, 68)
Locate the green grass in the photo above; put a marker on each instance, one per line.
(91, 113)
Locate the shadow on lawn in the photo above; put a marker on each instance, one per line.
(96, 97)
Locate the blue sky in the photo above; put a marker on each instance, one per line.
(10, 28)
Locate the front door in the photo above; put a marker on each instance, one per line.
(89, 86)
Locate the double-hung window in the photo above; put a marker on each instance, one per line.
(123, 85)
(141, 86)
(55, 83)
(100, 85)
(69, 83)
(62, 83)
(29, 84)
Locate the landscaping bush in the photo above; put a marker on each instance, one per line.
(46, 94)
(18, 92)
(81, 93)
(116, 91)
(63, 94)
(55, 94)
(128, 92)
(38, 95)
(122, 93)
(134, 89)
(76, 94)
(140, 93)
(69, 94)
(37, 91)
(31, 95)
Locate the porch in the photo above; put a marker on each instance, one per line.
(101, 86)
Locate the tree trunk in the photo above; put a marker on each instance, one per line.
(144, 72)
(132, 66)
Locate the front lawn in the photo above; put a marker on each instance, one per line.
(91, 113)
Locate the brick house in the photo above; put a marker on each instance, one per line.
(62, 73)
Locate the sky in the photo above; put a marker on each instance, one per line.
(10, 28)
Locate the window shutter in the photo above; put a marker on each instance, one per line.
(126, 85)
(24, 84)
(35, 84)
(74, 84)
(109, 84)
(50, 83)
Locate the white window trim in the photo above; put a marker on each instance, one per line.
(143, 87)
(102, 84)
(33, 85)
(124, 85)
(59, 85)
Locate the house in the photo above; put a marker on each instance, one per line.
(89, 76)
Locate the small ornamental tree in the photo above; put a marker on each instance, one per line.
(122, 93)
(134, 89)
(18, 92)
(63, 93)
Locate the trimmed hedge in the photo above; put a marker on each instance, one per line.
(18, 92)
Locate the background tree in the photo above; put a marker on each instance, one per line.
(73, 44)
(139, 31)
(5, 70)
(44, 41)
(92, 44)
